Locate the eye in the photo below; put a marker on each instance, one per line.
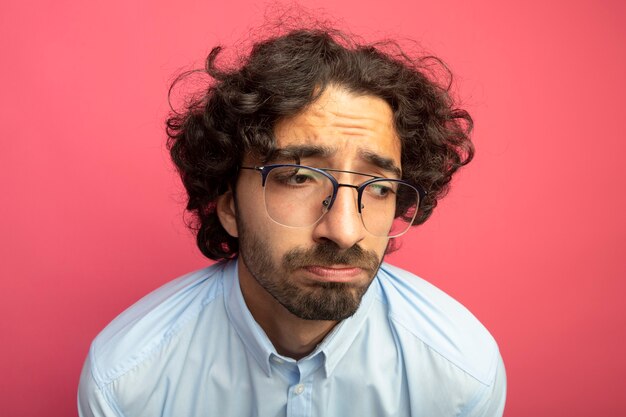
(381, 189)
(296, 177)
(301, 177)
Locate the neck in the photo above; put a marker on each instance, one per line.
(291, 336)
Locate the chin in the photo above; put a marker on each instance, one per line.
(330, 301)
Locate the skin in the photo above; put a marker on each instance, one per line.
(335, 259)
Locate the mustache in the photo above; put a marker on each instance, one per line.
(328, 254)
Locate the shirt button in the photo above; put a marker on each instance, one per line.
(299, 389)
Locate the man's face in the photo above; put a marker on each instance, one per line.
(320, 272)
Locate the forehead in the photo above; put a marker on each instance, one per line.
(347, 125)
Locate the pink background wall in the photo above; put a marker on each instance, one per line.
(532, 238)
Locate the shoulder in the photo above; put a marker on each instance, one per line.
(151, 322)
(423, 312)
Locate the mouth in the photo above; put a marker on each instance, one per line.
(334, 273)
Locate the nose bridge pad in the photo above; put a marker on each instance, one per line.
(328, 202)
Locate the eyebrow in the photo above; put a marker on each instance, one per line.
(382, 162)
(297, 152)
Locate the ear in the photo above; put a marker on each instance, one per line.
(227, 213)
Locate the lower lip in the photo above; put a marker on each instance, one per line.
(334, 274)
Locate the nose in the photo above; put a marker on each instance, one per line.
(342, 223)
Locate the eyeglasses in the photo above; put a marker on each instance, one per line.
(299, 196)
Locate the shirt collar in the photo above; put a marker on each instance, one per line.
(336, 343)
(333, 347)
(253, 336)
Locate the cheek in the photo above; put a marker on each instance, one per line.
(282, 239)
(380, 247)
(250, 209)
(274, 239)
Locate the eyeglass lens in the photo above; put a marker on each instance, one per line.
(299, 197)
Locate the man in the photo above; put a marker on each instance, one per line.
(302, 166)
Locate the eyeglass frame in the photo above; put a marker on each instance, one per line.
(266, 169)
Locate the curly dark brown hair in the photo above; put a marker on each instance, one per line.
(279, 78)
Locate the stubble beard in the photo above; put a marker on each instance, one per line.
(319, 300)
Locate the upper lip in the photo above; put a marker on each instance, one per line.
(335, 266)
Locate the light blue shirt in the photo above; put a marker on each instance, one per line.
(192, 348)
